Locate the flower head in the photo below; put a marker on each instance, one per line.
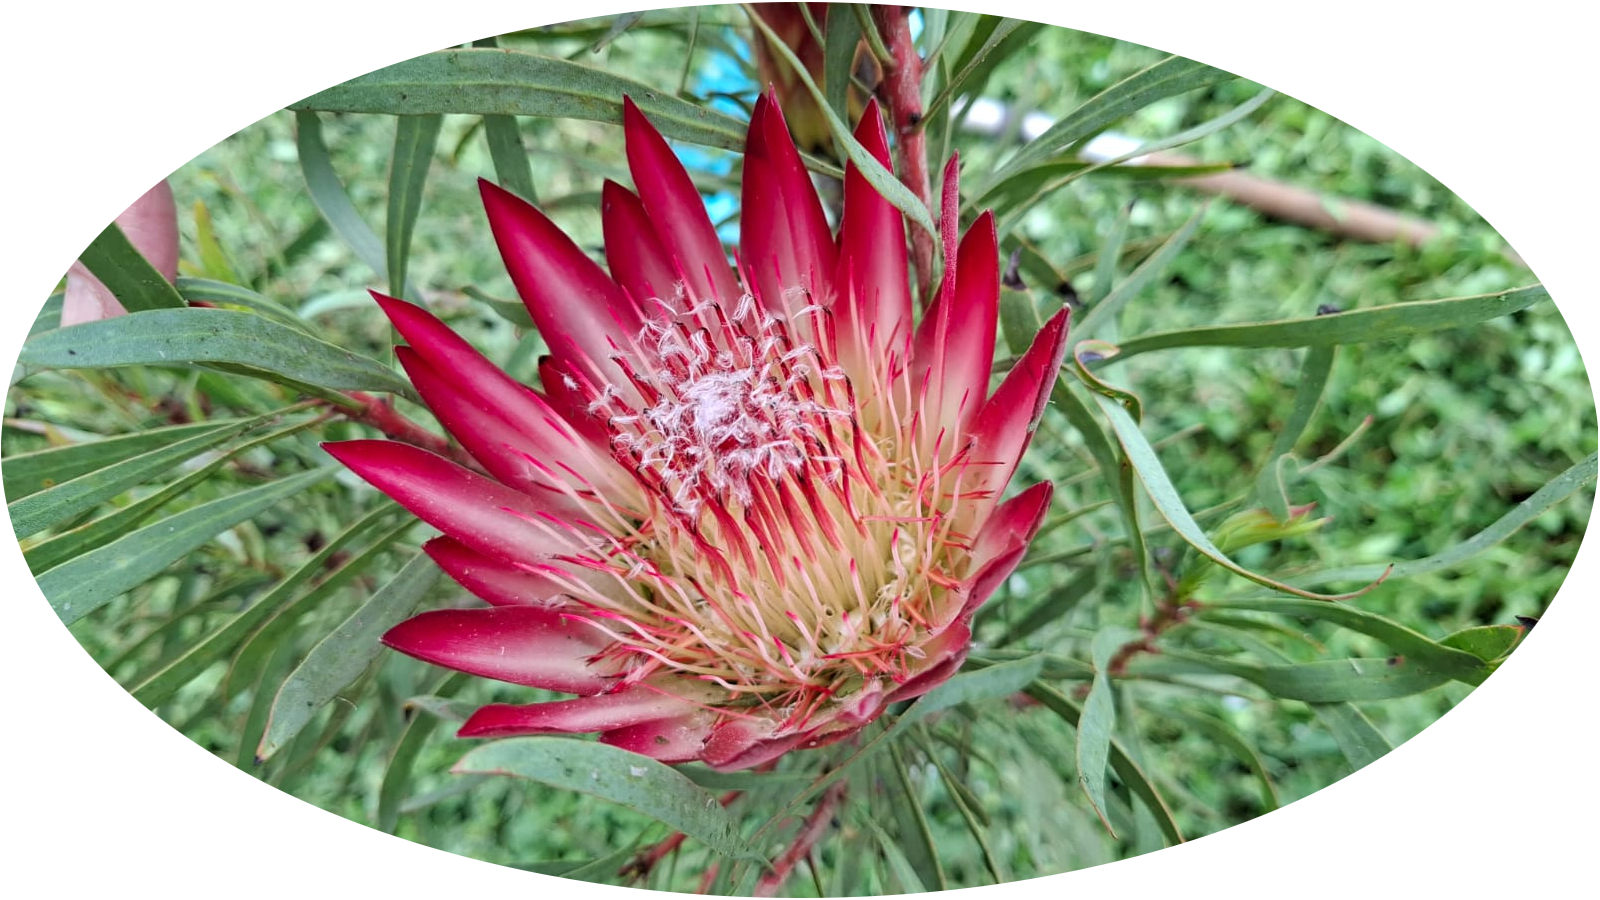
(754, 504)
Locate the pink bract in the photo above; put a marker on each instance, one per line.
(754, 504)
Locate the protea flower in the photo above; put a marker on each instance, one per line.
(753, 505)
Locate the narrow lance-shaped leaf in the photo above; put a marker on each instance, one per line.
(1222, 733)
(1319, 681)
(510, 157)
(914, 831)
(83, 585)
(617, 775)
(338, 659)
(839, 57)
(329, 195)
(1098, 720)
(221, 293)
(1169, 77)
(1487, 642)
(59, 548)
(977, 64)
(1022, 191)
(253, 652)
(29, 473)
(619, 25)
(397, 775)
(1105, 264)
(1359, 740)
(1380, 323)
(158, 687)
(1121, 763)
(1167, 502)
(178, 336)
(904, 874)
(1451, 662)
(127, 274)
(1106, 310)
(1557, 489)
(414, 139)
(1272, 489)
(39, 510)
(989, 683)
(513, 83)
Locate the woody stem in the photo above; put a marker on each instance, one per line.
(902, 87)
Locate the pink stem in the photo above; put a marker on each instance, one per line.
(381, 414)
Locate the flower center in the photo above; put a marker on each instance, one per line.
(724, 402)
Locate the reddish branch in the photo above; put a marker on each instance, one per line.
(1168, 613)
(811, 831)
(381, 414)
(902, 91)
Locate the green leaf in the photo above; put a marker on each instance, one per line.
(130, 277)
(1321, 681)
(510, 157)
(414, 139)
(1450, 662)
(977, 63)
(1359, 740)
(1112, 470)
(49, 317)
(513, 311)
(329, 196)
(1380, 323)
(1019, 319)
(213, 259)
(513, 83)
(619, 25)
(341, 657)
(170, 337)
(919, 849)
(994, 682)
(83, 585)
(232, 295)
(1487, 642)
(1099, 720)
(1308, 393)
(1154, 265)
(1121, 763)
(1223, 733)
(282, 619)
(617, 775)
(29, 473)
(839, 59)
(59, 548)
(397, 775)
(899, 867)
(158, 687)
(1105, 265)
(879, 177)
(1272, 483)
(1055, 605)
(1555, 490)
(1169, 77)
(108, 473)
(1167, 502)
